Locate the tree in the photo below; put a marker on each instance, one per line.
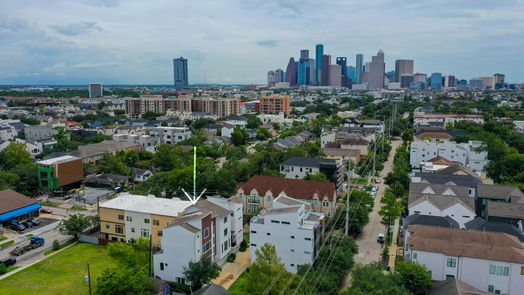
(15, 154)
(316, 177)
(150, 115)
(201, 272)
(122, 280)
(253, 122)
(391, 208)
(370, 279)
(8, 180)
(75, 224)
(133, 254)
(239, 136)
(415, 277)
(262, 133)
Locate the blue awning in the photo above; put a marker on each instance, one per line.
(20, 211)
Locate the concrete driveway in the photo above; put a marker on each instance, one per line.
(232, 270)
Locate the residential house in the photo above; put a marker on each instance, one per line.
(260, 191)
(300, 167)
(292, 227)
(210, 228)
(489, 261)
(37, 133)
(141, 175)
(343, 155)
(170, 135)
(354, 143)
(93, 152)
(469, 155)
(426, 119)
(454, 287)
(146, 142)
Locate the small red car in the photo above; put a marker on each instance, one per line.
(44, 210)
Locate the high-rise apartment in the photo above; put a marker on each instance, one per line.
(96, 90)
(403, 66)
(275, 104)
(180, 73)
(359, 65)
(319, 52)
(376, 71)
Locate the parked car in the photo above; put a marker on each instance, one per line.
(35, 221)
(8, 261)
(27, 224)
(47, 211)
(380, 238)
(15, 225)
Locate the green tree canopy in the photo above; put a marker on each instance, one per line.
(415, 277)
(75, 224)
(201, 272)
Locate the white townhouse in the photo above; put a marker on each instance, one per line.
(489, 261)
(210, 228)
(292, 227)
(468, 154)
(170, 135)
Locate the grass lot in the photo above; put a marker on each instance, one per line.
(50, 204)
(61, 246)
(78, 208)
(238, 286)
(62, 273)
(3, 245)
(29, 235)
(3, 238)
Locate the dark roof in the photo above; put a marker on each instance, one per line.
(55, 155)
(468, 243)
(295, 188)
(458, 169)
(505, 210)
(438, 189)
(212, 289)
(494, 226)
(500, 192)
(11, 200)
(308, 162)
(454, 287)
(431, 220)
(453, 179)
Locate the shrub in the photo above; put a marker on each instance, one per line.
(231, 257)
(3, 269)
(56, 245)
(243, 246)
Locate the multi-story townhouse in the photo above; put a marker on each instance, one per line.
(129, 217)
(260, 191)
(489, 261)
(300, 167)
(170, 135)
(210, 228)
(425, 119)
(147, 142)
(292, 227)
(470, 155)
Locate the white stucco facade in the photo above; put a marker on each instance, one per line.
(458, 211)
(468, 154)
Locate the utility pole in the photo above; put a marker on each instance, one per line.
(374, 155)
(346, 231)
(89, 278)
(150, 255)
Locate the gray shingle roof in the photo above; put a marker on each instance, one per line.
(494, 226)
(438, 189)
(309, 162)
(212, 289)
(454, 287)
(437, 178)
(505, 210)
(430, 220)
(500, 192)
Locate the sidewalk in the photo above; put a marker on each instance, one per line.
(232, 270)
(393, 247)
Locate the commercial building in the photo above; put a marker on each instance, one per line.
(489, 261)
(60, 172)
(450, 81)
(137, 107)
(319, 52)
(180, 73)
(403, 67)
(129, 217)
(260, 191)
(406, 80)
(275, 104)
(325, 72)
(436, 81)
(292, 227)
(15, 206)
(335, 76)
(96, 90)
(377, 69)
(291, 75)
(359, 67)
(210, 228)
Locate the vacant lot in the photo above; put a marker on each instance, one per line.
(62, 273)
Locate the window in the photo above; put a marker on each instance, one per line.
(181, 281)
(415, 255)
(161, 266)
(240, 196)
(275, 221)
(307, 239)
(451, 262)
(315, 201)
(132, 229)
(450, 277)
(292, 250)
(206, 232)
(120, 217)
(499, 270)
(146, 220)
(253, 245)
(505, 271)
(225, 232)
(307, 252)
(206, 247)
(145, 233)
(292, 237)
(286, 222)
(492, 269)
(522, 270)
(292, 264)
(119, 229)
(253, 232)
(156, 222)
(491, 288)
(268, 198)
(325, 203)
(159, 233)
(107, 226)
(225, 219)
(268, 234)
(129, 218)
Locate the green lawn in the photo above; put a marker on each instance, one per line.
(238, 286)
(62, 273)
(2, 238)
(50, 204)
(3, 245)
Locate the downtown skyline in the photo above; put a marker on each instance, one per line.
(75, 42)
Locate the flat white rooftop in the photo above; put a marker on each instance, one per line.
(57, 160)
(147, 204)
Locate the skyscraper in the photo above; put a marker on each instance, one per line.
(359, 68)
(352, 74)
(291, 72)
(403, 66)
(449, 81)
(335, 76)
(180, 73)
(342, 62)
(324, 74)
(376, 71)
(96, 90)
(436, 81)
(319, 52)
(304, 54)
(304, 71)
(279, 75)
(271, 78)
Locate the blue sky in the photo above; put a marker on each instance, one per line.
(238, 41)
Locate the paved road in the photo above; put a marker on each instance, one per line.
(369, 249)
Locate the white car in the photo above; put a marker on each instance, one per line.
(380, 238)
